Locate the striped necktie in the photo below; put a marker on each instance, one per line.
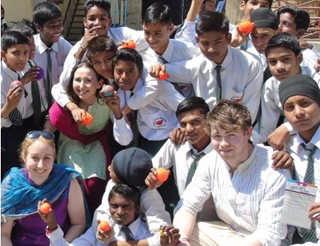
(36, 101)
(15, 116)
(218, 79)
(49, 77)
(193, 166)
(305, 234)
(127, 233)
(134, 126)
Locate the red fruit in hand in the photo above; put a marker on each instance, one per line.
(87, 120)
(16, 83)
(107, 90)
(104, 226)
(245, 26)
(163, 75)
(162, 174)
(45, 208)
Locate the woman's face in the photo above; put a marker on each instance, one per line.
(39, 160)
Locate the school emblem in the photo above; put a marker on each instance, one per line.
(159, 122)
(183, 87)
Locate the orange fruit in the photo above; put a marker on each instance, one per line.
(130, 44)
(104, 226)
(162, 174)
(245, 26)
(45, 208)
(163, 75)
(87, 120)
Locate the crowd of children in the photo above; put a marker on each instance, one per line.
(228, 116)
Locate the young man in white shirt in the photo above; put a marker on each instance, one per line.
(248, 193)
(300, 97)
(183, 160)
(51, 48)
(127, 227)
(220, 71)
(157, 27)
(150, 122)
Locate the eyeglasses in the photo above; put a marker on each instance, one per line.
(36, 134)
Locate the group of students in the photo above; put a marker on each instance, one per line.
(203, 123)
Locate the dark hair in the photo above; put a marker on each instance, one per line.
(11, 38)
(270, 2)
(128, 55)
(100, 44)
(192, 103)
(158, 13)
(45, 12)
(283, 40)
(21, 27)
(212, 21)
(301, 17)
(126, 191)
(70, 92)
(98, 3)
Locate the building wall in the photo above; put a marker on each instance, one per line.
(16, 10)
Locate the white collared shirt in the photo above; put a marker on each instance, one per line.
(151, 206)
(118, 34)
(271, 109)
(176, 51)
(155, 119)
(300, 159)
(58, 55)
(249, 201)
(241, 76)
(7, 76)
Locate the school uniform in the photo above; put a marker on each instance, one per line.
(12, 135)
(176, 51)
(118, 35)
(310, 57)
(155, 115)
(241, 78)
(271, 110)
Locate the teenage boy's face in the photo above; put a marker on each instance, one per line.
(98, 18)
(209, 5)
(250, 5)
(16, 56)
(214, 45)
(303, 113)
(126, 74)
(193, 123)
(102, 63)
(123, 210)
(286, 24)
(260, 37)
(51, 31)
(231, 145)
(157, 36)
(283, 63)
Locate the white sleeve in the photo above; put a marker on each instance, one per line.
(154, 209)
(187, 33)
(252, 92)
(165, 156)
(146, 94)
(122, 131)
(183, 72)
(269, 117)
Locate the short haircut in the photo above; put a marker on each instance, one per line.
(283, 40)
(192, 103)
(11, 38)
(229, 115)
(70, 92)
(301, 17)
(158, 13)
(126, 191)
(100, 44)
(212, 21)
(21, 27)
(103, 4)
(128, 55)
(270, 2)
(44, 12)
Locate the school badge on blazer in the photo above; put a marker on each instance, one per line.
(159, 122)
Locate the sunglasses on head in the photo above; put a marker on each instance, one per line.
(37, 134)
